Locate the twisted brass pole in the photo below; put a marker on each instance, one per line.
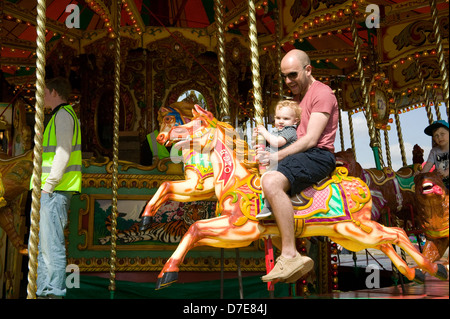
(378, 142)
(440, 52)
(400, 138)
(352, 133)
(254, 57)
(115, 179)
(436, 105)
(388, 150)
(224, 104)
(424, 91)
(374, 142)
(37, 161)
(278, 46)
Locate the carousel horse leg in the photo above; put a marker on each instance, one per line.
(380, 237)
(179, 191)
(401, 265)
(214, 232)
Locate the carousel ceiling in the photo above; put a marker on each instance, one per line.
(320, 27)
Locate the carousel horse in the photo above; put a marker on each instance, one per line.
(338, 207)
(432, 213)
(392, 192)
(15, 175)
(198, 183)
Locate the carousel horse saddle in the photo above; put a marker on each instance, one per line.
(404, 176)
(333, 198)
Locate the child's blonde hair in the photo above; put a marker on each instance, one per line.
(292, 105)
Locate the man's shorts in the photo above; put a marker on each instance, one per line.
(307, 168)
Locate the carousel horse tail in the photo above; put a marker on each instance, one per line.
(363, 227)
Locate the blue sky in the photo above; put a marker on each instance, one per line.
(412, 123)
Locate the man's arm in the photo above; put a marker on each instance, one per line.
(316, 126)
(64, 134)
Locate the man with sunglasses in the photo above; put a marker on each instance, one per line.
(301, 164)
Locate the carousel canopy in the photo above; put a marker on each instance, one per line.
(394, 36)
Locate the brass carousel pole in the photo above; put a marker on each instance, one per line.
(374, 141)
(37, 161)
(400, 138)
(254, 57)
(257, 93)
(388, 150)
(115, 181)
(424, 91)
(352, 133)
(224, 104)
(224, 108)
(436, 105)
(440, 52)
(278, 46)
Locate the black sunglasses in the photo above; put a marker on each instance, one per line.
(292, 76)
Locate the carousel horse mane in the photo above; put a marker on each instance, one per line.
(181, 109)
(240, 148)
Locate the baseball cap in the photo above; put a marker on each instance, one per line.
(435, 125)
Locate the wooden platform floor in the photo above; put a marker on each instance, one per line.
(433, 288)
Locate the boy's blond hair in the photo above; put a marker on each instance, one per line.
(290, 104)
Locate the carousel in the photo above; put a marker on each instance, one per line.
(140, 69)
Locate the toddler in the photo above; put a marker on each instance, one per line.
(287, 117)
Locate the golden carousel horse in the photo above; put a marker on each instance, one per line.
(338, 207)
(198, 183)
(432, 213)
(392, 192)
(15, 174)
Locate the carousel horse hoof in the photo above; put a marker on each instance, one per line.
(166, 280)
(441, 273)
(419, 277)
(145, 223)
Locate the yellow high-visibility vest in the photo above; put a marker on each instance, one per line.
(71, 180)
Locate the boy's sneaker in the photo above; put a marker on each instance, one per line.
(265, 212)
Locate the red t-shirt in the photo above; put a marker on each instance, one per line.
(320, 98)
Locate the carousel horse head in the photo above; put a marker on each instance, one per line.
(200, 135)
(347, 159)
(199, 131)
(429, 186)
(432, 213)
(177, 113)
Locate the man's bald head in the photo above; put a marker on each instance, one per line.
(298, 55)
